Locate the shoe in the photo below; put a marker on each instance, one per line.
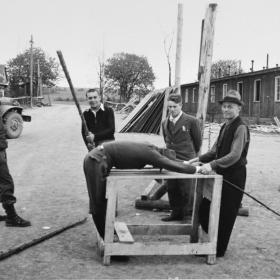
(3, 218)
(172, 218)
(120, 258)
(16, 221)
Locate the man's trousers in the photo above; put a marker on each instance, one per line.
(96, 170)
(6, 181)
(230, 202)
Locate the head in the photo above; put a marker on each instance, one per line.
(231, 104)
(174, 104)
(93, 98)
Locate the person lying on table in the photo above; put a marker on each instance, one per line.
(123, 155)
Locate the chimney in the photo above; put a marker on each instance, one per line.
(267, 60)
(220, 72)
(277, 65)
(252, 67)
(264, 67)
(229, 70)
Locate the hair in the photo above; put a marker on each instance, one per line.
(92, 90)
(176, 98)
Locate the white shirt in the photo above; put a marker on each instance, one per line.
(174, 120)
(101, 107)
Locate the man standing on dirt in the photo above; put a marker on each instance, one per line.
(228, 158)
(100, 121)
(182, 134)
(7, 197)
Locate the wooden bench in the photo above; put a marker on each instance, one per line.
(200, 243)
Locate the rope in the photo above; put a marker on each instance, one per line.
(261, 203)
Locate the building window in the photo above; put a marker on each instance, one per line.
(193, 95)
(277, 88)
(240, 89)
(212, 94)
(224, 90)
(257, 90)
(186, 95)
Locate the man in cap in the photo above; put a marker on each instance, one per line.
(228, 158)
(123, 155)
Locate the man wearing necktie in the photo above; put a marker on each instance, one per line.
(182, 134)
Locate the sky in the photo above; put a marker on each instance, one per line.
(84, 30)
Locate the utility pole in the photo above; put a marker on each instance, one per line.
(205, 63)
(31, 70)
(39, 80)
(179, 48)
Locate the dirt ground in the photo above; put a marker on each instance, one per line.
(46, 164)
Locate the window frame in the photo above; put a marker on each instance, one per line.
(225, 92)
(193, 95)
(186, 95)
(211, 95)
(255, 90)
(237, 88)
(275, 89)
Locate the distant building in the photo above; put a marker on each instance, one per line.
(259, 90)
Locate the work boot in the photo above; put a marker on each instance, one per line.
(13, 219)
(3, 218)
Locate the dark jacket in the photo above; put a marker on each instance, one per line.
(185, 138)
(224, 143)
(102, 126)
(135, 155)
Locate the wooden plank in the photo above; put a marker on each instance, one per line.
(111, 195)
(164, 109)
(149, 189)
(214, 215)
(123, 233)
(136, 109)
(162, 229)
(160, 248)
(205, 63)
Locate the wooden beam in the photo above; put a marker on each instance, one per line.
(179, 47)
(205, 63)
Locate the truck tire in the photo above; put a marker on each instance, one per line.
(14, 124)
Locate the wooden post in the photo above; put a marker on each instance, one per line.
(179, 47)
(31, 70)
(205, 63)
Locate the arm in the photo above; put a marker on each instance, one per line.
(83, 131)
(157, 160)
(110, 129)
(237, 146)
(210, 155)
(196, 135)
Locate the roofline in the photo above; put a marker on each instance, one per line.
(241, 75)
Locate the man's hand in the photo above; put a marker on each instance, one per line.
(205, 169)
(90, 138)
(90, 146)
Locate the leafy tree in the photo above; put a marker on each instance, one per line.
(225, 67)
(19, 68)
(129, 73)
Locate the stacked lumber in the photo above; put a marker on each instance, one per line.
(148, 114)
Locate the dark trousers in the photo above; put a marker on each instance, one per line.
(230, 202)
(96, 170)
(180, 194)
(6, 181)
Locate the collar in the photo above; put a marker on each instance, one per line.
(174, 120)
(101, 107)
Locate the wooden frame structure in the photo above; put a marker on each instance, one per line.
(200, 243)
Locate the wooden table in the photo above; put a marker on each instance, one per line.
(200, 243)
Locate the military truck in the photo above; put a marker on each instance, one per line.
(10, 109)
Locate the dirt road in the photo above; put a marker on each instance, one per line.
(46, 163)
